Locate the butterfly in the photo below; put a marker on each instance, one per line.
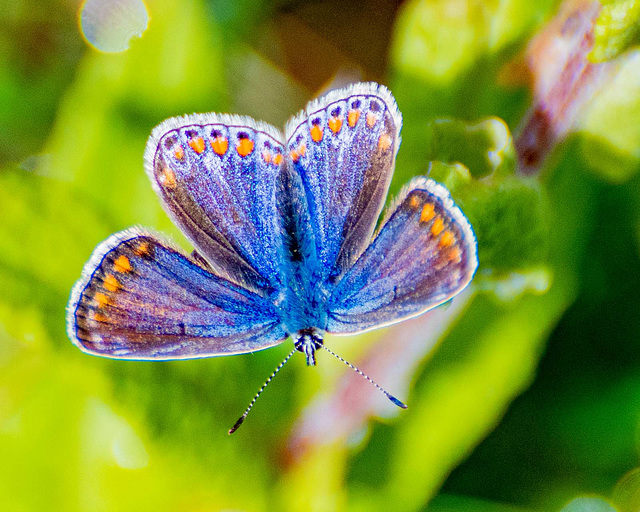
(284, 231)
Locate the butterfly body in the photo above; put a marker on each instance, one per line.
(283, 229)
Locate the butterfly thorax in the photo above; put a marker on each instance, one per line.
(302, 303)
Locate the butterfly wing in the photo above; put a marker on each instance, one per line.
(343, 148)
(141, 299)
(216, 177)
(424, 254)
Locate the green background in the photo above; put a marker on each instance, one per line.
(524, 394)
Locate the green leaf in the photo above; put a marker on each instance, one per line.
(610, 131)
(616, 30)
(484, 147)
(509, 214)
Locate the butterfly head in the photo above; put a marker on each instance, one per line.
(308, 341)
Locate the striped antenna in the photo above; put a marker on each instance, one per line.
(357, 370)
(237, 424)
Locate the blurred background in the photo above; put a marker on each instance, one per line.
(524, 393)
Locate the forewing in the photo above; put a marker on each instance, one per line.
(216, 176)
(343, 146)
(140, 299)
(424, 254)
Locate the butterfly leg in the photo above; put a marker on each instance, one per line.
(308, 341)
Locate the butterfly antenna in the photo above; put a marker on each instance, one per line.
(237, 424)
(357, 370)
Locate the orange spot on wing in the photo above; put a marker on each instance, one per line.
(300, 151)
(111, 283)
(122, 264)
(102, 299)
(352, 117)
(371, 119)
(447, 239)
(384, 142)
(197, 144)
(335, 123)
(455, 255)
(277, 159)
(245, 147)
(167, 178)
(437, 226)
(266, 156)
(178, 152)
(414, 202)
(220, 145)
(428, 213)
(99, 317)
(316, 133)
(142, 249)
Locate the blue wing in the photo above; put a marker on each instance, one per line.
(424, 254)
(216, 176)
(140, 299)
(343, 148)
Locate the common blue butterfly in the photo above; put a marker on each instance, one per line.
(283, 230)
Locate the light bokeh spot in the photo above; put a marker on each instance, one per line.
(109, 25)
(588, 504)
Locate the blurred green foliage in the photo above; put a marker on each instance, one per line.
(531, 400)
(617, 29)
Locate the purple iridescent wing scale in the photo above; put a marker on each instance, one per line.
(343, 147)
(216, 177)
(138, 298)
(423, 255)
